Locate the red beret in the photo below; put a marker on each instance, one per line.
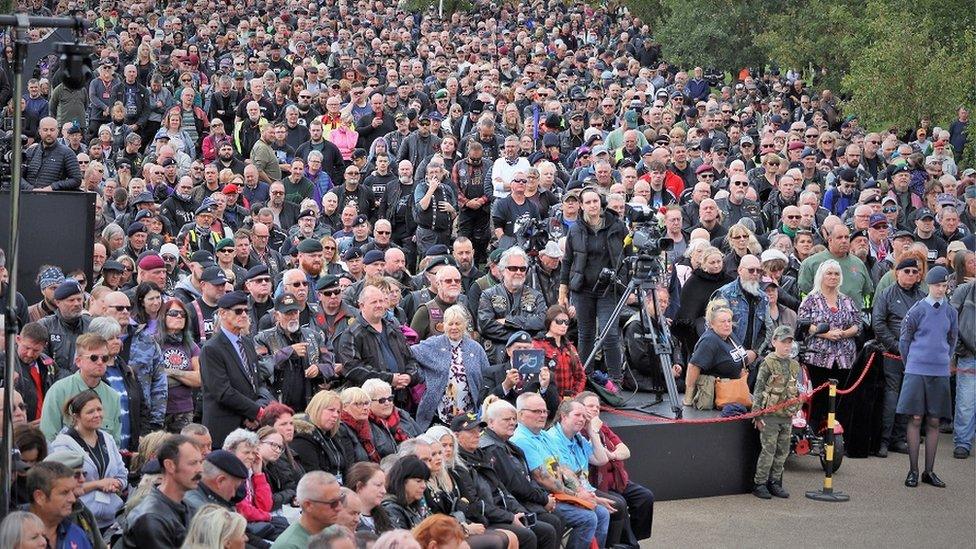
(151, 262)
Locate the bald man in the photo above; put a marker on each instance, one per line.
(48, 164)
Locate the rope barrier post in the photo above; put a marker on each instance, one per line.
(828, 493)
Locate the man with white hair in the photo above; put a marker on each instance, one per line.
(749, 305)
(320, 496)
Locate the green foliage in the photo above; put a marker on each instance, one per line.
(710, 33)
(895, 60)
(908, 71)
(450, 6)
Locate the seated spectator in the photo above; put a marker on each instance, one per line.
(504, 380)
(52, 489)
(641, 352)
(316, 445)
(459, 388)
(389, 425)
(405, 486)
(577, 506)
(612, 476)
(450, 491)
(576, 453)
(106, 477)
(30, 442)
(320, 496)
(256, 504)
(561, 357)
(22, 530)
(717, 354)
(284, 472)
(214, 526)
(355, 434)
(439, 531)
(368, 481)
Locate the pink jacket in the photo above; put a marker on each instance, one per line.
(345, 139)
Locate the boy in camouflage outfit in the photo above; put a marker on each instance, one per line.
(775, 383)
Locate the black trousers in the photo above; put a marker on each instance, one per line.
(540, 536)
(619, 532)
(640, 503)
(544, 522)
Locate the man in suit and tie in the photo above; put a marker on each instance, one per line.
(232, 393)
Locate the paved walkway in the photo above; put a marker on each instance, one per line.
(882, 511)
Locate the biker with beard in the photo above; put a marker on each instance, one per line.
(749, 306)
(293, 360)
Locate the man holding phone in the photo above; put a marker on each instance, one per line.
(505, 381)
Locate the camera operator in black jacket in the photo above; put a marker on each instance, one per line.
(594, 243)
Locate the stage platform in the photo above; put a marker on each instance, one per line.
(686, 460)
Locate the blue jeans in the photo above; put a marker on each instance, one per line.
(965, 422)
(586, 524)
(592, 313)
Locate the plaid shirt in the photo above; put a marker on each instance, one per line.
(564, 364)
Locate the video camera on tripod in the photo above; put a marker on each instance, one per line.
(532, 234)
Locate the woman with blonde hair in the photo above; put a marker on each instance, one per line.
(717, 354)
(741, 242)
(214, 527)
(315, 444)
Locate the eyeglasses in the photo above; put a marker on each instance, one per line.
(261, 280)
(328, 247)
(299, 284)
(98, 358)
(451, 281)
(361, 403)
(384, 232)
(516, 269)
(561, 321)
(120, 307)
(274, 445)
(910, 271)
(740, 183)
(752, 270)
(383, 400)
(277, 193)
(738, 236)
(535, 411)
(239, 311)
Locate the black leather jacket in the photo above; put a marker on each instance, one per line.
(156, 521)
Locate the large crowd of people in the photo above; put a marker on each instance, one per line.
(333, 238)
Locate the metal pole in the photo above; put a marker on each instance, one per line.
(11, 328)
(828, 493)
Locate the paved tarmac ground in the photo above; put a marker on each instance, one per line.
(882, 512)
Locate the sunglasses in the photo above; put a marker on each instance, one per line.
(98, 358)
(261, 279)
(175, 313)
(334, 504)
(910, 271)
(561, 321)
(383, 400)
(516, 269)
(753, 270)
(239, 311)
(299, 284)
(520, 180)
(383, 232)
(120, 307)
(889, 210)
(330, 293)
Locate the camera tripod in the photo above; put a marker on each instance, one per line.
(659, 338)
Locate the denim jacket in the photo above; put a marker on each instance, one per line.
(736, 297)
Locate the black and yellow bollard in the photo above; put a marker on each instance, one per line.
(828, 493)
